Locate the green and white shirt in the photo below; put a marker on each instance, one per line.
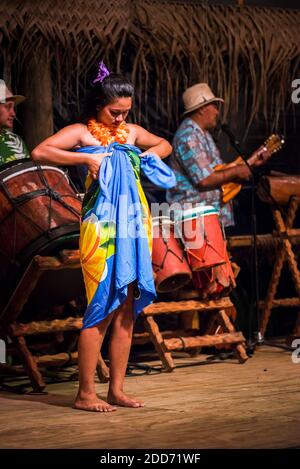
(12, 147)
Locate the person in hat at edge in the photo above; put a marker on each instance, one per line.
(12, 147)
(193, 160)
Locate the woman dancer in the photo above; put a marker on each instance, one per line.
(109, 137)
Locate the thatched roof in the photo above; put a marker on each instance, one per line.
(249, 55)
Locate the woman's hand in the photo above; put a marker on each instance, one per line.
(94, 163)
(147, 152)
(150, 142)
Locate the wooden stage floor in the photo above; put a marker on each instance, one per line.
(222, 405)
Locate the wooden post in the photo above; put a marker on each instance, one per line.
(226, 324)
(7, 69)
(182, 343)
(159, 343)
(284, 252)
(102, 370)
(29, 364)
(38, 107)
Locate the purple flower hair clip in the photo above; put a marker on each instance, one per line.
(103, 72)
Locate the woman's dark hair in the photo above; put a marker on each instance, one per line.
(113, 86)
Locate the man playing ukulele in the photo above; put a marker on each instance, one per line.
(195, 156)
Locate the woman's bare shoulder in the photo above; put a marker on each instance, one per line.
(79, 127)
(136, 130)
(134, 127)
(132, 133)
(78, 131)
(73, 129)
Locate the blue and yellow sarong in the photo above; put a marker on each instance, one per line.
(115, 235)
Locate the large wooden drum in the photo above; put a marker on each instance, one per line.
(278, 189)
(202, 236)
(39, 214)
(168, 258)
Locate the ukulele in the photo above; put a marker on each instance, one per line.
(231, 189)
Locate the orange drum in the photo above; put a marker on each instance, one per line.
(201, 233)
(168, 259)
(215, 282)
(39, 214)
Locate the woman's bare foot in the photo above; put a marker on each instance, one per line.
(92, 403)
(121, 399)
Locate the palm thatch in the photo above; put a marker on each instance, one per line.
(249, 55)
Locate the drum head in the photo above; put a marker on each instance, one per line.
(39, 214)
(173, 282)
(192, 213)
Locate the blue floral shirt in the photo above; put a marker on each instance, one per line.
(198, 154)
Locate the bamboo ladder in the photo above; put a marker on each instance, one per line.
(17, 332)
(164, 342)
(285, 232)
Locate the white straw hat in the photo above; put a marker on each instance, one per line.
(197, 96)
(6, 94)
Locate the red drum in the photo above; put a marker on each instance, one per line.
(168, 259)
(202, 236)
(215, 282)
(39, 213)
